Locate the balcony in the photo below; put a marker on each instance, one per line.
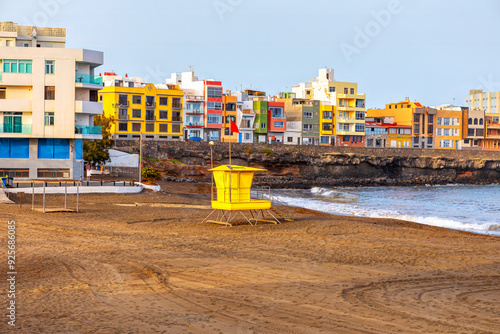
(195, 98)
(15, 128)
(121, 104)
(15, 105)
(88, 130)
(194, 125)
(345, 119)
(123, 117)
(88, 79)
(150, 105)
(194, 112)
(88, 107)
(176, 119)
(176, 106)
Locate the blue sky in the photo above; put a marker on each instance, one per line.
(430, 51)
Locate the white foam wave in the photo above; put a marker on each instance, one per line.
(355, 210)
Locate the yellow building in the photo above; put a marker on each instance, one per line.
(137, 108)
(449, 128)
(230, 111)
(327, 124)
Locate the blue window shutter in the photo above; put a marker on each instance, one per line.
(45, 149)
(61, 148)
(79, 149)
(20, 148)
(4, 148)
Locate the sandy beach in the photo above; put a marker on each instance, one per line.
(144, 264)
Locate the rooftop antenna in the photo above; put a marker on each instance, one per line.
(191, 68)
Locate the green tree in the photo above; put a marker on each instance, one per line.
(96, 152)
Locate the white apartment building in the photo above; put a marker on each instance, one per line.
(479, 100)
(48, 100)
(245, 117)
(194, 104)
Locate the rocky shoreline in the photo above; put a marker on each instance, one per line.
(309, 166)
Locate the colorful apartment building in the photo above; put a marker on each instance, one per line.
(387, 134)
(492, 139)
(260, 108)
(350, 106)
(245, 118)
(303, 120)
(473, 129)
(489, 102)
(214, 110)
(138, 108)
(230, 104)
(327, 123)
(276, 120)
(449, 127)
(48, 100)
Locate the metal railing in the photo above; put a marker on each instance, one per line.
(88, 130)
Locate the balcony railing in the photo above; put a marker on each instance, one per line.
(88, 79)
(15, 128)
(88, 130)
(345, 119)
(176, 119)
(121, 104)
(195, 98)
(196, 124)
(195, 111)
(176, 106)
(150, 105)
(123, 117)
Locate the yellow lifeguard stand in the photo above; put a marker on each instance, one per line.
(233, 196)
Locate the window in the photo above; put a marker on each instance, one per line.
(369, 142)
(2, 93)
(17, 173)
(327, 126)
(416, 118)
(150, 102)
(263, 125)
(226, 131)
(360, 103)
(308, 114)
(479, 132)
(122, 126)
(327, 115)
(429, 140)
(352, 90)
(470, 121)
(470, 133)
(430, 118)
(332, 89)
(176, 103)
(136, 99)
(163, 114)
(150, 115)
(481, 121)
(360, 127)
(17, 66)
(123, 114)
(11, 148)
(214, 93)
(415, 140)
(49, 118)
(324, 139)
(279, 124)
(163, 101)
(276, 112)
(123, 100)
(346, 90)
(345, 138)
(176, 128)
(164, 128)
(446, 143)
(416, 128)
(52, 173)
(406, 144)
(290, 139)
(50, 66)
(430, 128)
(136, 127)
(307, 127)
(446, 132)
(214, 119)
(136, 113)
(131, 84)
(214, 105)
(150, 127)
(360, 115)
(50, 93)
(475, 121)
(53, 148)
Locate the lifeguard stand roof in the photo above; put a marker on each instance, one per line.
(234, 168)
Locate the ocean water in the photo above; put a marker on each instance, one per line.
(472, 208)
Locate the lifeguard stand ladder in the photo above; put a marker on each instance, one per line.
(233, 197)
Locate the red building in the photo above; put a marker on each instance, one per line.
(276, 120)
(214, 110)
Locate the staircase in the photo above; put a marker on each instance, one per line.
(281, 209)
